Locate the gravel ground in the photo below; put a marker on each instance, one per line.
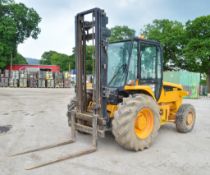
(31, 118)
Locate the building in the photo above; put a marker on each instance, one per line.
(34, 68)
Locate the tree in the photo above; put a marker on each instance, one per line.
(63, 60)
(19, 59)
(17, 23)
(197, 50)
(55, 58)
(171, 35)
(120, 33)
(89, 58)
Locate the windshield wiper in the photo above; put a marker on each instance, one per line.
(123, 67)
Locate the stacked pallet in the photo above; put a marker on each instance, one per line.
(3, 79)
(66, 80)
(13, 82)
(6, 73)
(49, 80)
(49, 75)
(32, 80)
(41, 79)
(13, 78)
(23, 79)
(23, 83)
(58, 80)
(41, 83)
(50, 83)
(4, 82)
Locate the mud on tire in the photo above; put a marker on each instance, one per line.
(182, 122)
(124, 121)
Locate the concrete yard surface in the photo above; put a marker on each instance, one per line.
(30, 118)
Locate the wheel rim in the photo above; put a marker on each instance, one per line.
(144, 123)
(189, 119)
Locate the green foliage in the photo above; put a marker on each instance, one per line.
(185, 46)
(63, 60)
(120, 33)
(197, 55)
(17, 23)
(171, 35)
(203, 82)
(19, 59)
(89, 60)
(55, 58)
(197, 51)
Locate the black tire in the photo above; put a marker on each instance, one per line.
(182, 124)
(123, 123)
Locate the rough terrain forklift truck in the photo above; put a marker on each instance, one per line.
(127, 94)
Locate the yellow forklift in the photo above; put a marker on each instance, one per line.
(127, 94)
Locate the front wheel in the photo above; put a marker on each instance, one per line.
(136, 122)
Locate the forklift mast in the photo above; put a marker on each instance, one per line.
(91, 28)
(90, 25)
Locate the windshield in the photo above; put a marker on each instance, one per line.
(118, 63)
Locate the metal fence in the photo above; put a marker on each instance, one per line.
(189, 80)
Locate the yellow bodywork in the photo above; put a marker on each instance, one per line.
(169, 101)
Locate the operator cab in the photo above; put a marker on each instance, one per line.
(135, 62)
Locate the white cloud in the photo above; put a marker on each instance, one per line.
(58, 18)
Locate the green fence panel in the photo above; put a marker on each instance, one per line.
(189, 80)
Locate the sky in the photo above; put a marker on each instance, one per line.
(57, 25)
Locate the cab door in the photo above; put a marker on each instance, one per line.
(150, 66)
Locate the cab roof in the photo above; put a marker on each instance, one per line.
(138, 39)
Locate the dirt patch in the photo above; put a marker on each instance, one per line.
(5, 129)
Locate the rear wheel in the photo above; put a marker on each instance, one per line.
(185, 118)
(136, 122)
